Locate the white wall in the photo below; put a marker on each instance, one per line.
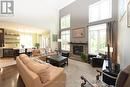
(53, 44)
(123, 41)
(54, 30)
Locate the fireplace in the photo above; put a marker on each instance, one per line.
(77, 50)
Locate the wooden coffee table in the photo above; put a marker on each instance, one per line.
(57, 60)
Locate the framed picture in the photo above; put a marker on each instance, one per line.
(128, 14)
(78, 32)
(54, 37)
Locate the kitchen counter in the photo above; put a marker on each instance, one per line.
(13, 52)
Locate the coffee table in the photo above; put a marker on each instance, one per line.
(57, 60)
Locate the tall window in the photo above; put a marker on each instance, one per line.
(97, 38)
(65, 22)
(26, 40)
(100, 10)
(65, 39)
(45, 42)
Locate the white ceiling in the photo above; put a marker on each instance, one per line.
(38, 13)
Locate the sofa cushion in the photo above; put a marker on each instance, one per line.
(25, 59)
(55, 71)
(36, 59)
(123, 76)
(41, 70)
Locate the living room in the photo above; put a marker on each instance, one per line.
(66, 43)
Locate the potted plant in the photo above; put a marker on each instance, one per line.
(37, 45)
(84, 57)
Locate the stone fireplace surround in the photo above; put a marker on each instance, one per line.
(78, 41)
(75, 55)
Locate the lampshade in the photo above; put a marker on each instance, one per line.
(111, 49)
(59, 40)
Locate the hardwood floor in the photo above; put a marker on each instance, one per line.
(4, 62)
(9, 77)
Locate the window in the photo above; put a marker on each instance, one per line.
(100, 10)
(26, 40)
(97, 38)
(45, 42)
(65, 39)
(65, 22)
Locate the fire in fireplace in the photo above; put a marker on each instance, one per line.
(77, 50)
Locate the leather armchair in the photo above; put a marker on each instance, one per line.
(65, 54)
(122, 80)
(97, 62)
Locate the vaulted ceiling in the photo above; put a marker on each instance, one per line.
(38, 13)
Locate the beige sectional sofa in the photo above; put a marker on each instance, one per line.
(39, 53)
(35, 74)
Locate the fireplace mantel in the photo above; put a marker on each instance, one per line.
(78, 43)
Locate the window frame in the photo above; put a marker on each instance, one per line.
(98, 38)
(99, 11)
(26, 37)
(65, 21)
(67, 42)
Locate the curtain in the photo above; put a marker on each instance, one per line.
(111, 33)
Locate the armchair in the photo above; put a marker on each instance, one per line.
(65, 54)
(122, 80)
